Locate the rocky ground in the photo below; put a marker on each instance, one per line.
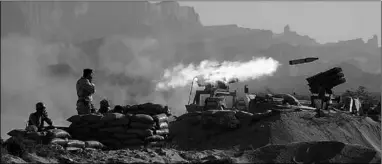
(289, 137)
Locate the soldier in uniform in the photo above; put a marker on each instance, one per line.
(104, 106)
(85, 90)
(37, 119)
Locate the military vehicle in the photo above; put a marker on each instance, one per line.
(215, 96)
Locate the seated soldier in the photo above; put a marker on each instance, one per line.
(39, 117)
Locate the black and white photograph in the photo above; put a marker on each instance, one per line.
(190, 81)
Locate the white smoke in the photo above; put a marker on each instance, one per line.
(212, 71)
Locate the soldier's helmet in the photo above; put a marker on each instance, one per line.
(40, 106)
(104, 103)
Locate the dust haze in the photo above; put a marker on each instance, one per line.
(46, 45)
(124, 78)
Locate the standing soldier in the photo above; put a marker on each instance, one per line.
(85, 90)
(321, 97)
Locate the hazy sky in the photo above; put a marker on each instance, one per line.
(323, 21)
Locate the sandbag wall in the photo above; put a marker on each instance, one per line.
(64, 139)
(145, 124)
(55, 136)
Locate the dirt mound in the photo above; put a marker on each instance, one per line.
(311, 152)
(284, 128)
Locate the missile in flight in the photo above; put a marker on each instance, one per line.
(301, 61)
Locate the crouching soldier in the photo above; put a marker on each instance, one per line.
(85, 90)
(38, 118)
(104, 106)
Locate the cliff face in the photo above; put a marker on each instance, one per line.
(79, 21)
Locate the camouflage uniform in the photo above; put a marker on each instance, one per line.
(85, 90)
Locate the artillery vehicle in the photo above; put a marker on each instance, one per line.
(213, 97)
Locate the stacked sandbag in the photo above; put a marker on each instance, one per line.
(149, 123)
(27, 135)
(97, 127)
(140, 124)
(58, 137)
(222, 119)
(149, 109)
(161, 130)
(83, 127)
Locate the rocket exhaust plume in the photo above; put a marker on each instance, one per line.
(212, 71)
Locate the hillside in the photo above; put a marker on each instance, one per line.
(130, 44)
(283, 138)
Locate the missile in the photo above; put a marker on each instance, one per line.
(301, 61)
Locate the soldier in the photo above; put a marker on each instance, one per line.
(38, 118)
(104, 106)
(321, 97)
(118, 109)
(85, 90)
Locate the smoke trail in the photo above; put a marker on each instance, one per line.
(212, 71)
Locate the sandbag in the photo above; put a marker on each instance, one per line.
(74, 119)
(76, 143)
(117, 129)
(162, 132)
(187, 115)
(58, 133)
(35, 135)
(132, 109)
(163, 125)
(94, 144)
(111, 116)
(59, 141)
(81, 130)
(140, 132)
(154, 138)
(139, 125)
(125, 136)
(79, 125)
(90, 149)
(122, 121)
(17, 133)
(153, 109)
(97, 125)
(142, 118)
(155, 144)
(133, 142)
(91, 118)
(159, 118)
(73, 149)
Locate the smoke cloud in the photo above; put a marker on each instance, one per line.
(26, 81)
(33, 70)
(212, 71)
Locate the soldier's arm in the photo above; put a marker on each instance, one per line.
(47, 119)
(89, 87)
